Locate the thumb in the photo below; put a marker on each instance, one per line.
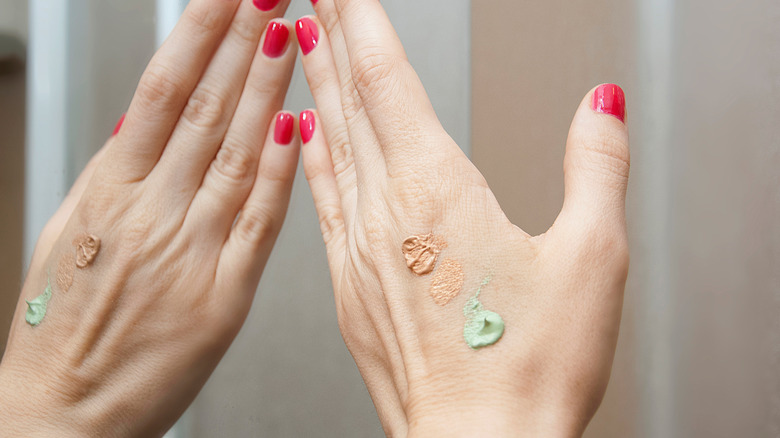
(597, 160)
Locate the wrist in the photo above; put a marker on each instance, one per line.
(24, 411)
(494, 414)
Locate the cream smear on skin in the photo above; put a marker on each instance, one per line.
(447, 282)
(483, 327)
(87, 248)
(36, 309)
(421, 253)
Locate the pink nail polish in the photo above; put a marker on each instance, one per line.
(283, 133)
(308, 34)
(265, 5)
(119, 125)
(276, 39)
(307, 126)
(610, 99)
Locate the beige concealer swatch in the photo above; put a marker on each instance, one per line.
(421, 253)
(65, 272)
(447, 282)
(87, 248)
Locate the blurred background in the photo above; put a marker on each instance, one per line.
(699, 351)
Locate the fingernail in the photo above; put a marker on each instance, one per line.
(307, 126)
(119, 125)
(610, 99)
(283, 133)
(314, 2)
(265, 5)
(308, 34)
(276, 39)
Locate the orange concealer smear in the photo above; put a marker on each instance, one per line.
(447, 282)
(421, 253)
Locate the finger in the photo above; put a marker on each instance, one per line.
(394, 98)
(324, 84)
(232, 173)
(210, 110)
(319, 171)
(166, 85)
(316, 37)
(597, 161)
(249, 243)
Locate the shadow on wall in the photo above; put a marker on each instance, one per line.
(12, 138)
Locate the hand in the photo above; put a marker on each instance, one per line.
(186, 203)
(472, 327)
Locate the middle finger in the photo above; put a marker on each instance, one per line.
(205, 120)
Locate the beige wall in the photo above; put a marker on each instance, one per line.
(699, 352)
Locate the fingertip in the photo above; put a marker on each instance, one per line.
(279, 157)
(119, 125)
(284, 128)
(308, 33)
(308, 125)
(609, 99)
(277, 38)
(597, 161)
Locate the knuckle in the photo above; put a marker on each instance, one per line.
(609, 152)
(329, 23)
(160, 89)
(204, 20)
(372, 225)
(136, 234)
(235, 163)
(351, 102)
(373, 70)
(341, 152)
(275, 173)
(246, 31)
(415, 191)
(314, 170)
(331, 221)
(257, 224)
(264, 87)
(205, 109)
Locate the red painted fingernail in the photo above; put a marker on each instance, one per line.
(283, 133)
(314, 2)
(307, 126)
(265, 5)
(276, 39)
(119, 125)
(610, 99)
(308, 34)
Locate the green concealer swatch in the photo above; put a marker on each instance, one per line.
(483, 327)
(36, 309)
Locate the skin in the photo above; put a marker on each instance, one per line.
(130, 344)
(382, 168)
